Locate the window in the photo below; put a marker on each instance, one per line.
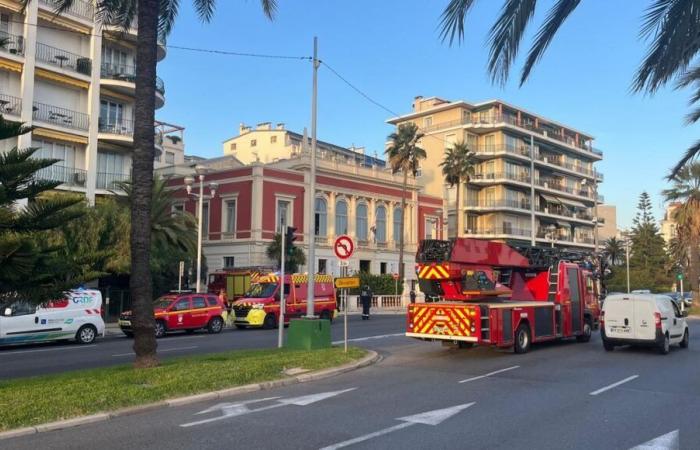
(157, 157)
(178, 208)
(283, 214)
(273, 139)
(322, 264)
(320, 215)
(253, 142)
(205, 220)
(111, 163)
(341, 217)
(56, 150)
(230, 225)
(169, 158)
(22, 308)
(472, 223)
(380, 225)
(490, 142)
(361, 221)
(676, 311)
(428, 121)
(431, 227)
(229, 262)
(182, 305)
(4, 23)
(382, 268)
(199, 302)
(112, 117)
(232, 146)
(212, 300)
(115, 61)
(397, 224)
(365, 265)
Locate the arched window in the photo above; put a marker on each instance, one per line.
(397, 224)
(361, 221)
(320, 216)
(380, 230)
(341, 217)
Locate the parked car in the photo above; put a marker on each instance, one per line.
(182, 311)
(643, 319)
(77, 316)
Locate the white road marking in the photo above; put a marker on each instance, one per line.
(381, 336)
(668, 441)
(614, 385)
(489, 374)
(431, 418)
(159, 351)
(46, 350)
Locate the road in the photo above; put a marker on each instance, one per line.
(42, 359)
(420, 395)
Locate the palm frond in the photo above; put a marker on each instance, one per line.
(505, 37)
(452, 20)
(690, 154)
(269, 8)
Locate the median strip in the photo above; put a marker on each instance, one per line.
(614, 385)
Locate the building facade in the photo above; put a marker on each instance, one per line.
(72, 78)
(252, 200)
(497, 202)
(608, 222)
(668, 223)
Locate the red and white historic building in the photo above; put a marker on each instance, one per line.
(351, 198)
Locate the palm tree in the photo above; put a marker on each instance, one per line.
(614, 248)
(686, 191)
(154, 18)
(405, 156)
(669, 25)
(458, 167)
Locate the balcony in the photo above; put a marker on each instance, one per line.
(13, 45)
(110, 181)
(10, 105)
(78, 8)
(63, 59)
(495, 176)
(121, 72)
(504, 230)
(67, 176)
(160, 93)
(122, 127)
(550, 183)
(61, 116)
(502, 203)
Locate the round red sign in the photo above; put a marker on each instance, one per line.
(343, 247)
(395, 275)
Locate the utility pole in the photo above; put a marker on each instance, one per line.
(283, 305)
(311, 214)
(532, 190)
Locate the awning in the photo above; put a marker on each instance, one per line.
(561, 223)
(573, 203)
(551, 198)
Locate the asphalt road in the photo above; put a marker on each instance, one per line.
(559, 396)
(31, 360)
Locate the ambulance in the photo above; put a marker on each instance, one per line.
(77, 316)
(260, 306)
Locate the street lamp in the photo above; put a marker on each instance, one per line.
(200, 171)
(626, 235)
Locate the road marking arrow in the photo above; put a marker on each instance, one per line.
(240, 408)
(668, 441)
(433, 418)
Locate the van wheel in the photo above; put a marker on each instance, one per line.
(160, 329)
(522, 339)
(686, 339)
(608, 346)
(665, 346)
(86, 334)
(269, 321)
(326, 315)
(216, 324)
(587, 331)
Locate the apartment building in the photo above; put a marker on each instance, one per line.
(607, 215)
(668, 223)
(267, 143)
(497, 203)
(72, 78)
(171, 139)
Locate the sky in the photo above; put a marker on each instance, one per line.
(391, 50)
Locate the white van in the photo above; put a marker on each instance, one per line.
(76, 316)
(643, 319)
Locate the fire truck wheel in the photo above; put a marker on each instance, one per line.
(587, 330)
(216, 324)
(522, 339)
(269, 321)
(160, 329)
(465, 345)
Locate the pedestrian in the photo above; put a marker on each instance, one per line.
(413, 296)
(366, 299)
(223, 298)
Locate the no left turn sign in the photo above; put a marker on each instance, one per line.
(343, 247)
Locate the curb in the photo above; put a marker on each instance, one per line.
(371, 358)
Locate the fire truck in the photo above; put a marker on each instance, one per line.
(236, 282)
(489, 293)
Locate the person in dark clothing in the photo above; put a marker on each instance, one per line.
(366, 299)
(413, 296)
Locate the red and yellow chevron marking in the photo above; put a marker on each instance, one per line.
(448, 320)
(300, 278)
(434, 272)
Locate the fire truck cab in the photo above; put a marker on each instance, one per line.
(488, 293)
(260, 306)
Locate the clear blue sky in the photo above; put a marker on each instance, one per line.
(391, 50)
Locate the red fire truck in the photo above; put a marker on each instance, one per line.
(236, 281)
(489, 293)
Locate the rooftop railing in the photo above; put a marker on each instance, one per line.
(79, 8)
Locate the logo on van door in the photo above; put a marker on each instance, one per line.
(82, 300)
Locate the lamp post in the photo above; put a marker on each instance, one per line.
(627, 257)
(200, 171)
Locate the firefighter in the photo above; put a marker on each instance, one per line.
(366, 299)
(412, 294)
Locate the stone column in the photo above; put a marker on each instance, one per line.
(93, 111)
(27, 78)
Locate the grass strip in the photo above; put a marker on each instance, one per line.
(31, 401)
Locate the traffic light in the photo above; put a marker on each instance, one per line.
(289, 239)
(679, 276)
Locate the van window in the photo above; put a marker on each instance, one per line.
(199, 302)
(286, 289)
(676, 311)
(182, 305)
(22, 308)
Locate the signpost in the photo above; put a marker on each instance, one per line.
(396, 283)
(344, 247)
(680, 278)
(180, 274)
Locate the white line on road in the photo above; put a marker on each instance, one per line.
(381, 336)
(614, 385)
(160, 351)
(47, 350)
(489, 374)
(668, 441)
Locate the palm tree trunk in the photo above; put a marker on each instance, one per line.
(458, 215)
(694, 266)
(403, 224)
(140, 283)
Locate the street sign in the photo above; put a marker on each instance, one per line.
(395, 276)
(347, 282)
(343, 247)
(182, 268)
(344, 263)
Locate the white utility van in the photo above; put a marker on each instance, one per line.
(643, 319)
(76, 316)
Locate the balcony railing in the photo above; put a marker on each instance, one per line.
(521, 177)
(122, 72)
(63, 59)
(503, 203)
(78, 8)
(123, 127)
(61, 116)
(10, 105)
(68, 176)
(502, 230)
(110, 181)
(12, 43)
(160, 86)
(549, 183)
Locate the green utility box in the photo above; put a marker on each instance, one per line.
(309, 334)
